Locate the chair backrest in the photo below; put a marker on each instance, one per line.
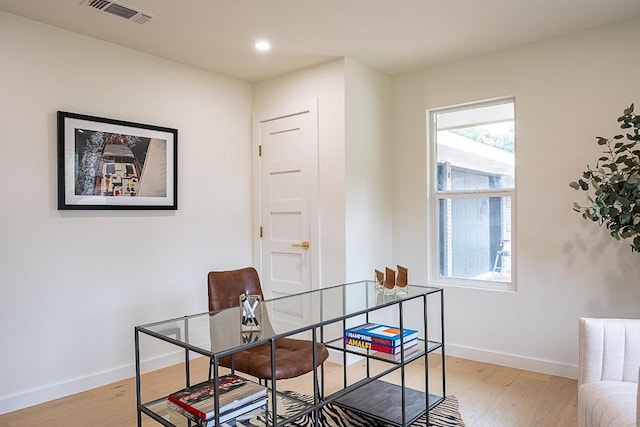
(609, 350)
(225, 287)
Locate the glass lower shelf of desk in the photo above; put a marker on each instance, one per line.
(378, 399)
(290, 407)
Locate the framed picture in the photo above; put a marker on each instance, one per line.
(113, 164)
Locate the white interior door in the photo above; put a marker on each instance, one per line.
(287, 163)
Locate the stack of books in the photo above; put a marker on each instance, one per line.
(378, 337)
(237, 396)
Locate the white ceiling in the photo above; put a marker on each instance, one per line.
(392, 36)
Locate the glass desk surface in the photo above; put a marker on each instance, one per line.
(219, 332)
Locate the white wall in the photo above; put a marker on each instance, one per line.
(368, 171)
(323, 84)
(71, 302)
(567, 92)
(75, 283)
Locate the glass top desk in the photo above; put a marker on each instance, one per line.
(321, 316)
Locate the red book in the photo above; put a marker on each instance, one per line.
(199, 422)
(374, 346)
(233, 391)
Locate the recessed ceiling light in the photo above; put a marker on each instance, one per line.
(262, 46)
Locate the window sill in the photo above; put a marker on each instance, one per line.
(484, 285)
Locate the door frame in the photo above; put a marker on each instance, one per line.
(311, 108)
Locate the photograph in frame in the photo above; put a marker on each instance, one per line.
(114, 164)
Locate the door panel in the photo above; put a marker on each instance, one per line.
(288, 169)
(286, 226)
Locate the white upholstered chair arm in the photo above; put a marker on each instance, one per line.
(609, 373)
(609, 350)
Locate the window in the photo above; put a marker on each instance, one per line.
(472, 189)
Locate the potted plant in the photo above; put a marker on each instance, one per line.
(613, 185)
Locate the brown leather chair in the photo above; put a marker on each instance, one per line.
(294, 357)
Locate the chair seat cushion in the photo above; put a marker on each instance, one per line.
(293, 358)
(607, 403)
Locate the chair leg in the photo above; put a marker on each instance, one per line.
(317, 386)
(233, 366)
(322, 420)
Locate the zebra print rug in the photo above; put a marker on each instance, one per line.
(446, 414)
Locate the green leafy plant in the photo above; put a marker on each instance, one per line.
(613, 185)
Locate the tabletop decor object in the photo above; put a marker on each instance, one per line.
(389, 283)
(389, 280)
(402, 280)
(250, 313)
(379, 280)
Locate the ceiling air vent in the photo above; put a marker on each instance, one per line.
(119, 9)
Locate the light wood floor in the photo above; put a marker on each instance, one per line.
(489, 396)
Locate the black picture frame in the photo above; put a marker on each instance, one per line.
(115, 164)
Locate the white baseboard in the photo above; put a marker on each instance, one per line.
(513, 361)
(49, 392)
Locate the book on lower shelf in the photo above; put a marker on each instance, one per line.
(380, 334)
(234, 393)
(233, 414)
(353, 343)
(397, 357)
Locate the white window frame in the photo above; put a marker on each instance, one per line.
(434, 196)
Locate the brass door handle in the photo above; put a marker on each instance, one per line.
(304, 245)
